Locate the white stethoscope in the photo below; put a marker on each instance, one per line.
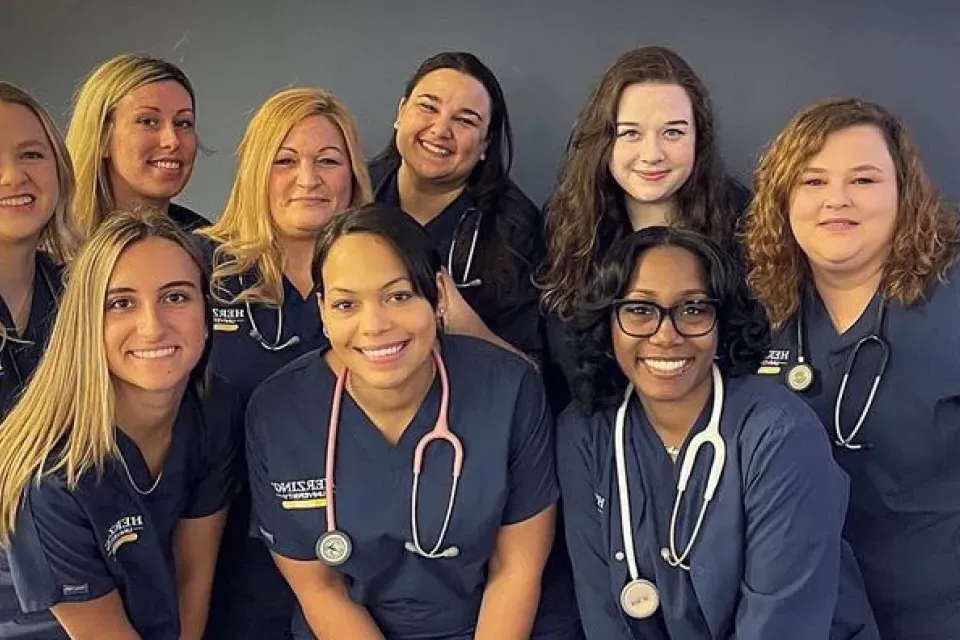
(465, 282)
(640, 598)
(800, 377)
(276, 345)
(6, 338)
(334, 547)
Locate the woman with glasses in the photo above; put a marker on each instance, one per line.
(699, 501)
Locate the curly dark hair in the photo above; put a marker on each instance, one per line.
(743, 331)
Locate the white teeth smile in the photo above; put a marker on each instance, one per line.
(150, 354)
(432, 148)
(17, 201)
(666, 366)
(383, 353)
(169, 165)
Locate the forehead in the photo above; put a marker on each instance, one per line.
(314, 132)
(166, 95)
(361, 262)
(666, 269)
(852, 146)
(19, 123)
(654, 102)
(152, 263)
(454, 87)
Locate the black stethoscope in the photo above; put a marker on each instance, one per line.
(800, 377)
(6, 338)
(278, 344)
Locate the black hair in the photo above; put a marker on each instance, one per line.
(411, 243)
(488, 185)
(742, 329)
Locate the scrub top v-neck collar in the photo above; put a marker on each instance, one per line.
(822, 332)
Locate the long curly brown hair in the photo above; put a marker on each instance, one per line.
(926, 233)
(585, 214)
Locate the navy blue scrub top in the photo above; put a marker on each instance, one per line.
(514, 313)
(769, 561)
(18, 362)
(76, 546)
(904, 516)
(187, 219)
(250, 597)
(497, 408)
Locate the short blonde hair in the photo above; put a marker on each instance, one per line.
(245, 232)
(64, 422)
(92, 124)
(927, 230)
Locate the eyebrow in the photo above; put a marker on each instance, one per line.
(859, 167)
(430, 96)
(653, 294)
(385, 286)
(146, 107)
(33, 142)
(669, 123)
(170, 285)
(329, 147)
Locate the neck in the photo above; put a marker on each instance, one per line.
(127, 201)
(393, 409)
(18, 268)
(298, 262)
(147, 418)
(846, 296)
(649, 214)
(423, 199)
(673, 419)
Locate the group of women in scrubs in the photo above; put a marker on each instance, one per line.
(330, 414)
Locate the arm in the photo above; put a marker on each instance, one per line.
(795, 499)
(599, 613)
(329, 611)
(100, 619)
(460, 318)
(196, 542)
(512, 593)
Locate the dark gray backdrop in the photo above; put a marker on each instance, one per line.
(762, 59)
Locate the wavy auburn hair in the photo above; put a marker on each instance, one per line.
(926, 233)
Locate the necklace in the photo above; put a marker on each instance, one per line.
(673, 452)
(133, 484)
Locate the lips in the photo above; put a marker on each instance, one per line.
(166, 164)
(153, 354)
(666, 368)
(435, 149)
(383, 354)
(839, 224)
(19, 200)
(653, 176)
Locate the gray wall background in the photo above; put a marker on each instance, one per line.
(762, 59)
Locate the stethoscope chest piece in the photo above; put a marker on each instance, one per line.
(800, 377)
(640, 598)
(334, 548)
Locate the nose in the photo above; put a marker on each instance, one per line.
(169, 138)
(308, 174)
(150, 322)
(667, 334)
(651, 152)
(374, 320)
(836, 196)
(11, 173)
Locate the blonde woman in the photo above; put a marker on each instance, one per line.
(133, 140)
(36, 237)
(299, 164)
(116, 465)
(854, 255)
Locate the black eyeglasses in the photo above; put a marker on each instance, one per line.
(642, 318)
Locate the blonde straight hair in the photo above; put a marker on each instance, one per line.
(245, 232)
(92, 124)
(64, 422)
(59, 237)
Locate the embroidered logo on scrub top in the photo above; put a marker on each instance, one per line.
(774, 361)
(124, 530)
(228, 319)
(302, 494)
(601, 502)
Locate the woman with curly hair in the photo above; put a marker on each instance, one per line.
(643, 152)
(670, 539)
(853, 254)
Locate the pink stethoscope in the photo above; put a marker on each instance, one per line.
(334, 547)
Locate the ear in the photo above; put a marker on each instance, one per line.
(400, 105)
(483, 149)
(443, 295)
(320, 305)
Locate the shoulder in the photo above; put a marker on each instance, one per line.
(379, 169)
(738, 195)
(469, 357)
(302, 374)
(583, 436)
(187, 219)
(516, 214)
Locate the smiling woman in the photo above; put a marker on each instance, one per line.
(117, 464)
(133, 140)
